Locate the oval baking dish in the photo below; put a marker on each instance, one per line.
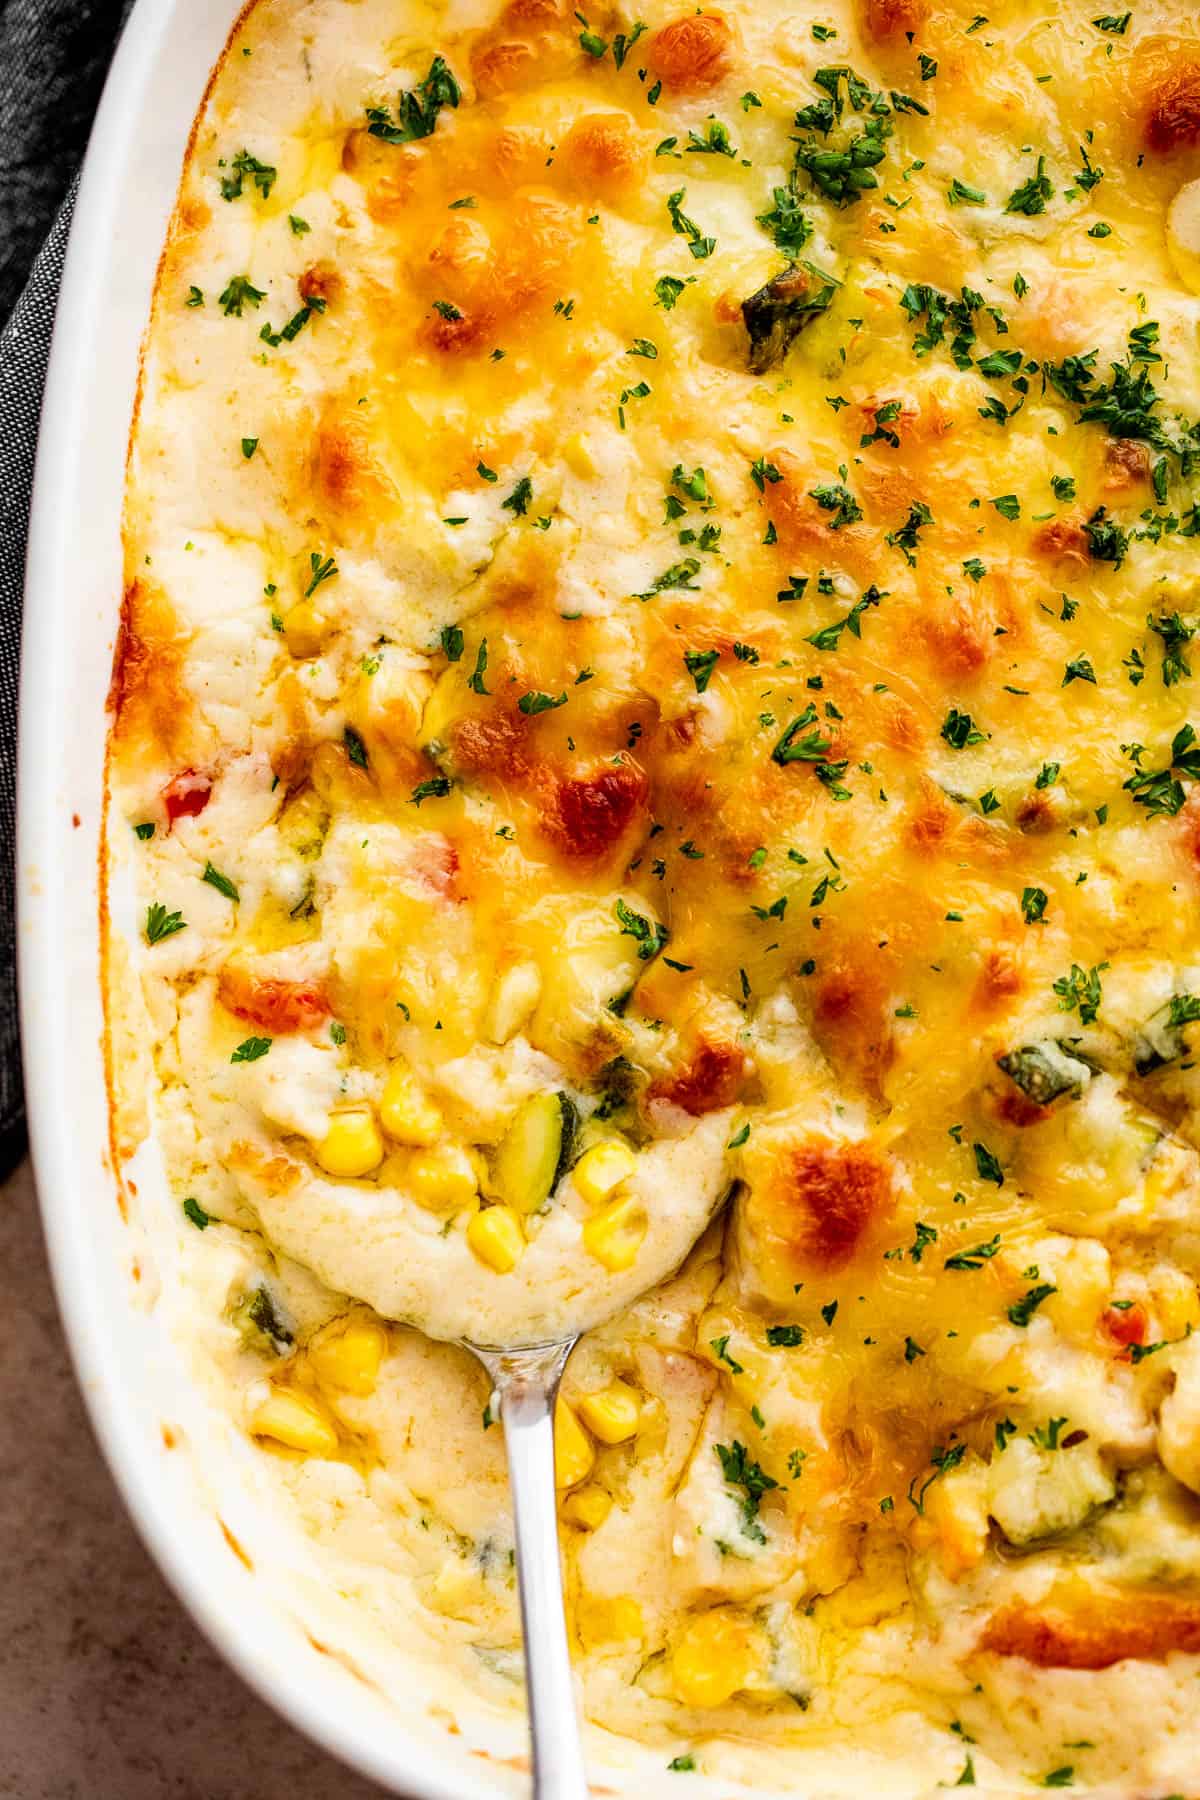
(575, 888)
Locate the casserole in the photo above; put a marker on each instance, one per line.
(1003, 1391)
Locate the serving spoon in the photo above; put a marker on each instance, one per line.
(536, 1315)
(526, 1379)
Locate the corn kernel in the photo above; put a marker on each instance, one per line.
(1183, 234)
(587, 1507)
(304, 631)
(612, 1413)
(496, 1237)
(602, 1168)
(513, 999)
(717, 1655)
(348, 1356)
(406, 1111)
(336, 780)
(352, 1147)
(296, 1420)
(573, 1451)
(607, 1619)
(442, 1179)
(614, 1235)
(578, 457)
(1175, 1301)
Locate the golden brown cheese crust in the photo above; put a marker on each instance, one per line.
(662, 568)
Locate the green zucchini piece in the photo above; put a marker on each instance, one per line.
(535, 1151)
(1160, 1040)
(1039, 1495)
(259, 1318)
(1043, 1072)
(777, 313)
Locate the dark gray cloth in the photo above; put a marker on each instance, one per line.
(53, 59)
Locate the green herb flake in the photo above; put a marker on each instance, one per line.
(1021, 1311)
(221, 882)
(162, 924)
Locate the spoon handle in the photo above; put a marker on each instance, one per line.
(527, 1383)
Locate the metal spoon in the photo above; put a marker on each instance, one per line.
(527, 1382)
(527, 1378)
(540, 1320)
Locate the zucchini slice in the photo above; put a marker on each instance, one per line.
(777, 313)
(535, 1150)
(1045, 1071)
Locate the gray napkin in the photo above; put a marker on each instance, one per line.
(53, 59)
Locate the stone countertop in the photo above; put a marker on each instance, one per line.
(107, 1689)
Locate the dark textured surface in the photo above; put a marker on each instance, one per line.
(107, 1690)
(53, 58)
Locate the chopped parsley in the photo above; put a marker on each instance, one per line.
(162, 924)
(417, 108)
(221, 882)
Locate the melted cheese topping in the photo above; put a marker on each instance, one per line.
(657, 660)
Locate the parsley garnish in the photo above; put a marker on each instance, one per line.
(971, 1260)
(221, 882)
(740, 1471)
(1021, 1311)
(699, 245)
(435, 788)
(651, 937)
(417, 108)
(533, 703)
(1082, 989)
(262, 175)
(240, 292)
(475, 681)
(162, 924)
(1031, 197)
(700, 665)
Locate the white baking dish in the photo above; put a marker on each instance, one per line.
(105, 1279)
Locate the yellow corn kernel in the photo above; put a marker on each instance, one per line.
(958, 1513)
(1175, 1301)
(602, 1168)
(296, 1420)
(573, 1451)
(1084, 1280)
(614, 1235)
(348, 1356)
(578, 456)
(406, 1112)
(587, 1507)
(496, 1237)
(336, 780)
(304, 631)
(611, 1414)
(352, 1147)
(1183, 234)
(513, 999)
(607, 1619)
(442, 1179)
(718, 1654)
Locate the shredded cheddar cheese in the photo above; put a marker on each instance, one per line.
(658, 669)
